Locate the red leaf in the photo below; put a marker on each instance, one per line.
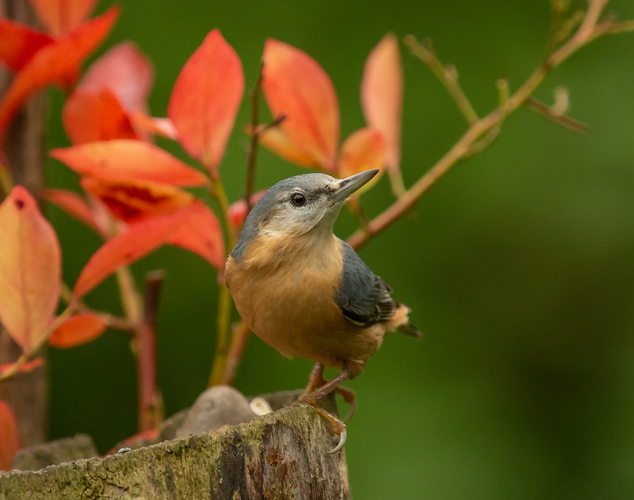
(133, 201)
(126, 72)
(129, 246)
(128, 160)
(206, 98)
(62, 16)
(74, 205)
(275, 140)
(27, 367)
(30, 269)
(19, 42)
(201, 234)
(382, 96)
(96, 117)
(238, 210)
(54, 62)
(9, 436)
(297, 86)
(157, 126)
(77, 330)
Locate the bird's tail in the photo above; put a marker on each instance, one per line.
(400, 322)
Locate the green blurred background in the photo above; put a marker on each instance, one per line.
(518, 265)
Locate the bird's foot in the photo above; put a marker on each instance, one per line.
(338, 426)
(317, 380)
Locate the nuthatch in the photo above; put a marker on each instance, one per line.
(307, 293)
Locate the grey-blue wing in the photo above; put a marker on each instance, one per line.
(364, 298)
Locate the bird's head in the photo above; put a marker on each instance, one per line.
(300, 205)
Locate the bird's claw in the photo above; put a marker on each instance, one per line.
(342, 441)
(351, 411)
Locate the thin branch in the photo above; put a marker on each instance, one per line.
(150, 400)
(255, 137)
(26, 356)
(563, 120)
(223, 340)
(448, 78)
(239, 336)
(461, 149)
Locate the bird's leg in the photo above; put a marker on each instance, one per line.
(316, 379)
(314, 396)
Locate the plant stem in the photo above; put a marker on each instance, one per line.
(493, 120)
(26, 356)
(255, 137)
(448, 78)
(563, 120)
(150, 400)
(223, 340)
(130, 298)
(239, 336)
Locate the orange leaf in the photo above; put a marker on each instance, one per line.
(95, 117)
(157, 126)
(126, 72)
(9, 436)
(201, 234)
(362, 150)
(19, 42)
(27, 367)
(276, 141)
(77, 330)
(297, 86)
(30, 269)
(206, 98)
(62, 16)
(54, 62)
(127, 247)
(128, 160)
(132, 201)
(74, 205)
(238, 210)
(382, 96)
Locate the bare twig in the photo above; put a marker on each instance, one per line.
(447, 77)
(551, 114)
(586, 32)
(239, 336)
(26, 356)
(255, 137)
(150, 400)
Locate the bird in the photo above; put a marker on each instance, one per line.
(307, 293)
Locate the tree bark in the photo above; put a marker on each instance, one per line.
(281, 455)
(24, 147)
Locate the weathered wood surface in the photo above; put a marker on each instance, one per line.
(281, 455)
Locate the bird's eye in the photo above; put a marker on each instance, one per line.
(298, 199)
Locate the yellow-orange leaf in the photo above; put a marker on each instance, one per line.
(276, 141)
(206, 98)
(90, 117)
(201, 234)
(77, 330)
(19, 42)
(382, 96)
(127, 247)
(126, 72)
(297, 86)
(132, 201)
(128, 160)
(157, 126)
(54, 63)
(9, 436)
(30, 269)
(363, 150)
(62, 16)
(74, 205)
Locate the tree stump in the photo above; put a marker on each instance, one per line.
(281, 455)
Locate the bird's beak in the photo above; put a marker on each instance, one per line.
(351, 184)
